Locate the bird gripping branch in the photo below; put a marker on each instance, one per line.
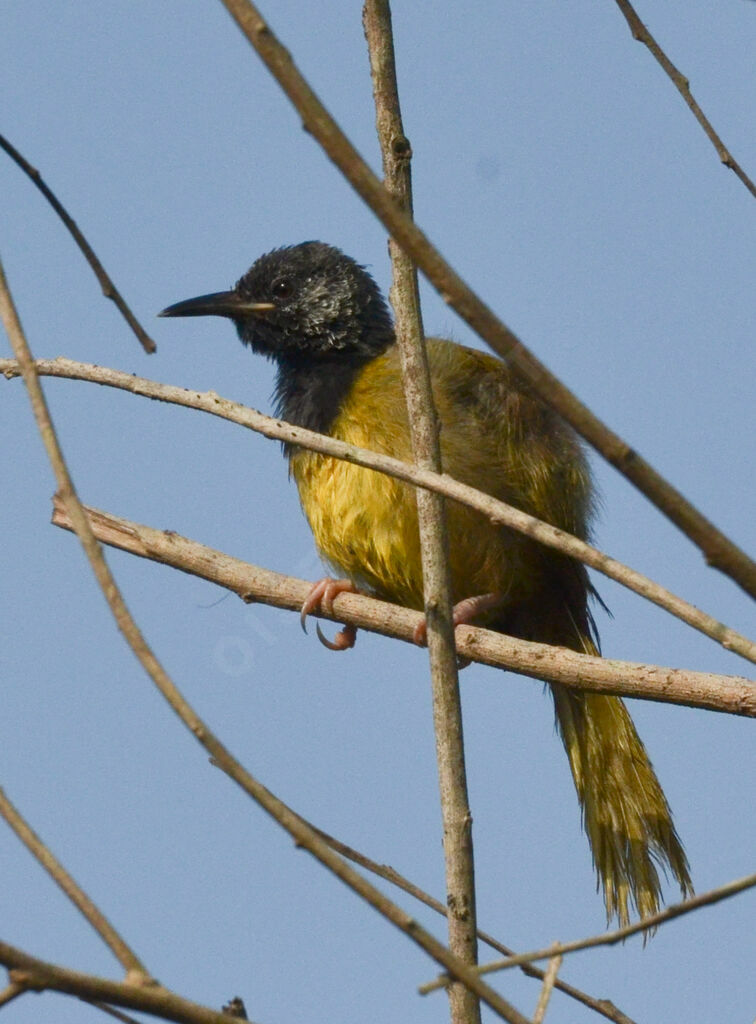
(322, 319)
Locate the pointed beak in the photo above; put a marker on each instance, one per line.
(229, 304)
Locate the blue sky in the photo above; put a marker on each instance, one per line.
(561, 174)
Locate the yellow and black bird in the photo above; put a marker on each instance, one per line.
(322, 319)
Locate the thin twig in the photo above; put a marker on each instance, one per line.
(731, 694)
(288, 819)
(112, 1012)
(11, 992)
(38, 975)
(610, 938)
(718, 549)
(497, 511)
(109, 290)
(432, 521)
(603, 1006)
(548, 987)
(680, 82)
(125, 955)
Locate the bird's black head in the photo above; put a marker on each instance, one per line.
(313, 310)
(307, 300)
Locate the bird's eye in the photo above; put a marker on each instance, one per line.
(282, 288)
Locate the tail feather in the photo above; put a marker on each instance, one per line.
(625, 813)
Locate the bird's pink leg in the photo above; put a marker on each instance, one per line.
(463, 613)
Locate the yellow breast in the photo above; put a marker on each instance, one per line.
(365, 523)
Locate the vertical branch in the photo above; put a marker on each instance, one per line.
(447, 710)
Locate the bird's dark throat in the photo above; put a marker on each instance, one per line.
(310, 390)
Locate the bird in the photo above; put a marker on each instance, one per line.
(322, 319)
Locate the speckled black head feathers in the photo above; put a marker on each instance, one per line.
(313, 310)
(323, 302)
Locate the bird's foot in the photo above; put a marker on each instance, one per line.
(321, 598)
(463, 613)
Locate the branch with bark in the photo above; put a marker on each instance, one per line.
(648, 924)
(731, 694)
(432, 521)
(681, 83)
(29, 973)
(497, 511)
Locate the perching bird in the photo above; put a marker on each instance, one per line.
(322, 319)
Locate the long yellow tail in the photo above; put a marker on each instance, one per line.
(625, 813)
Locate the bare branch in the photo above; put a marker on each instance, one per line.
(603, 1006)
(11, 992)
(497, 511)
(294, 825)
(126, 956)
(112, 1012)
(109, 290)
(641, 33)
(548, 987)
(432, 522)
(33, 974)
(719, 550)
(731, 694)
(610, 938)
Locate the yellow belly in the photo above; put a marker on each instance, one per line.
(365, 523)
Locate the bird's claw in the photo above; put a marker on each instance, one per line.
(321, 598)
(343, 640)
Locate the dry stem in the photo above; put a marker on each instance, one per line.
(650, 923)
(641, 33)
(602, 1006)
(127, 957)
(431, 512)
(109, 290)
(731, 694)
(549, 981)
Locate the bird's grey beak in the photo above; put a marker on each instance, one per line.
(229, 304)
